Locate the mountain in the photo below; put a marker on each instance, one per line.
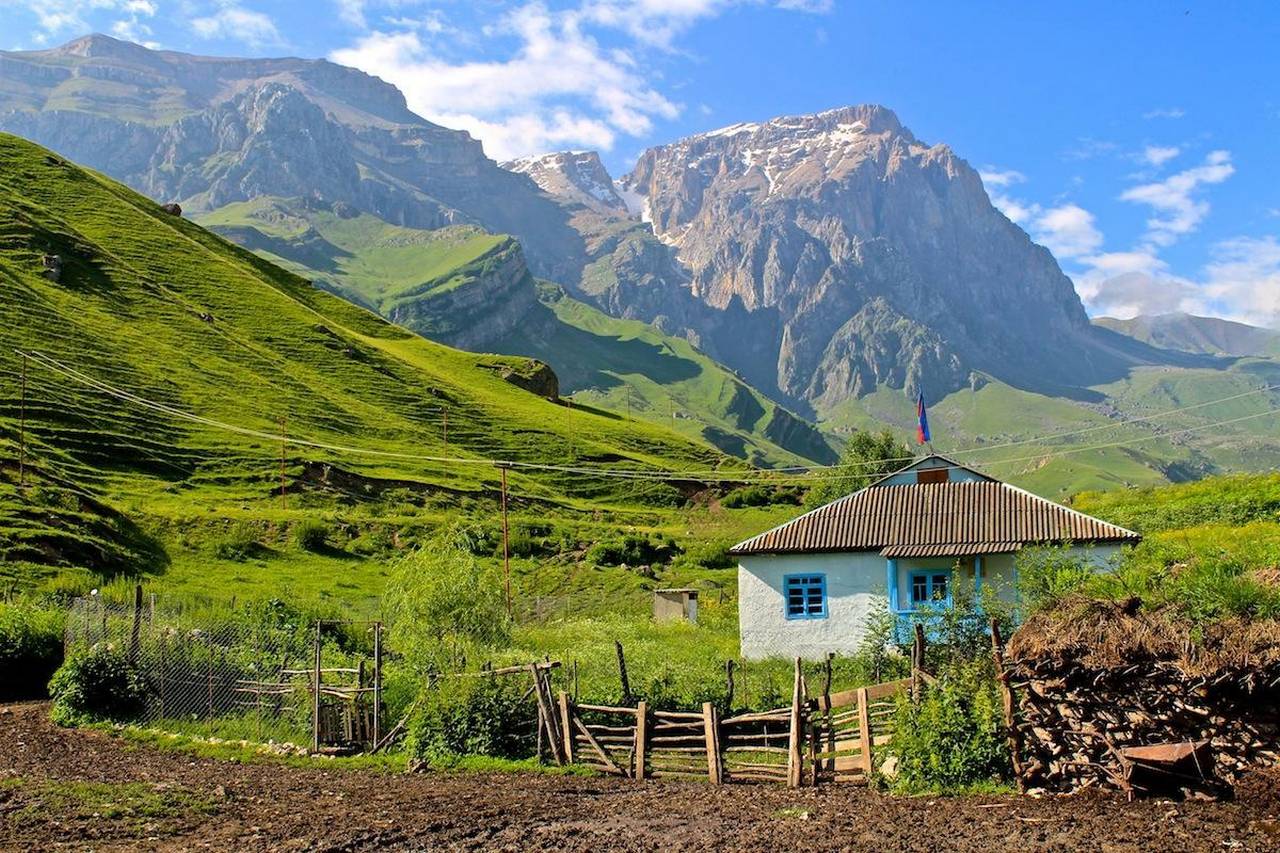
(148, 316)
(473, 290)
(577, 177)
(1203, 335)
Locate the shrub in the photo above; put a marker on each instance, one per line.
(632, 550)
(762, 495)
(866, 457)
(239, 544)
(311, 534)
(30, 648)
(951, 739)
(471, 716)
(100, 684)
(444, 606)
(1048, 575)
(712, 554)
(374, 542)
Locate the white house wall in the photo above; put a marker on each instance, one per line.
(856, 588)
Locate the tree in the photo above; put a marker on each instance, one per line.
(867, 457)
(445, 606)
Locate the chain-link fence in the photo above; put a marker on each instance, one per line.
(249, 674)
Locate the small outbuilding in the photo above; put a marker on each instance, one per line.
(675, 604)
(807, 587)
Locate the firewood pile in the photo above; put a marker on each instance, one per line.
(1113, 697)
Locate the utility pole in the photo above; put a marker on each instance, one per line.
(284, 502)
(506, 545)
(22, 428)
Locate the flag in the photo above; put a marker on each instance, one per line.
(922, 430)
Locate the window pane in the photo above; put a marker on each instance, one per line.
(919, 589)
(940, 587)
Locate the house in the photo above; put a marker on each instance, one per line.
(807, 587)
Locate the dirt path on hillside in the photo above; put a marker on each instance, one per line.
(208, 804)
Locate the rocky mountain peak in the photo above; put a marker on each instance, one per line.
(101, 46)
(578, 177)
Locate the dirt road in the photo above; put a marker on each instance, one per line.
(82, 789)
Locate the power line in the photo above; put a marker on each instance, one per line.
(746, 476)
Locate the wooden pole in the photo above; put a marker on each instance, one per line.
(315, 695)
(827, 713)
(283, 437)
(711, 734)
(622, 673)
(506, 547)
(566, 726)
(917, 662)
(794, 758)
(377, 682)
(22, 428)
(728, 674)
(641, 745)
(1012, 735)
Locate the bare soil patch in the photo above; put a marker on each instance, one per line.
(52, 782)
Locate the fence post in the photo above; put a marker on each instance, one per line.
(315, 695)
(864, 732)
(566, 726)
(711, 732)
(795, 759)
(641, 746)
(917, 661)
(377, 683)
(1012, 734)
(622, 673)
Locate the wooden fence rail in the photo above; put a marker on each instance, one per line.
(828, 738)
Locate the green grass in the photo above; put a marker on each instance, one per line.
(157, 305)
(622, 366)
(135, 804)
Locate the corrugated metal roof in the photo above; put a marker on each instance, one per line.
(977, 515)
(951, 549)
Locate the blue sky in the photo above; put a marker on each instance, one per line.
(1139, 141)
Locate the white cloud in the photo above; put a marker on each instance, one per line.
(1166, 112)
(60, 17)
(1158, 155)
(1067, 230)
(559, 87)
(1243, 280)
(233, 21)
(1176, 211)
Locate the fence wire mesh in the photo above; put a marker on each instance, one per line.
(243, 676)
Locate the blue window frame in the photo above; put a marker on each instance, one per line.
(806, 596)
(930, 587)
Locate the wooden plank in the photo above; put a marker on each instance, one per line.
(605, 709)
(600, 751)
(712, 734)
(678, 715)
(545, 716)
(566, 726)
(864, 733)
(640, 746)
(888, 688)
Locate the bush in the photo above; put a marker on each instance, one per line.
(472, 716)
(1048, 575)
(632, 550)
(445, 607)
(712, 554)
(311, 534)
(30, 649)
(100, 684)
(952, 739)
(762, 495)
(239, 544)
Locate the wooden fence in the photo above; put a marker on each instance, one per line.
(831, 737)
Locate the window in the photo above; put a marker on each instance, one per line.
(930, 588)
(806, 596)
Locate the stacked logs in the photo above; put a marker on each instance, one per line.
(1076, 721)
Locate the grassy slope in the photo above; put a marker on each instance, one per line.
(614, 364)
(160, 306)
(971, 425)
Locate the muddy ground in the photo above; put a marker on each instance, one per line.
(88, 789)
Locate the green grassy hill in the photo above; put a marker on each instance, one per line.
(157, 306)
(414, 277)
